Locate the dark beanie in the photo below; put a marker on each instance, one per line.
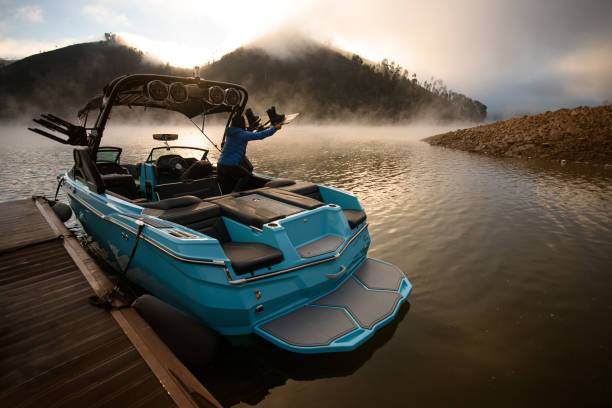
(239, 122)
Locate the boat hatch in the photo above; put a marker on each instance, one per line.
(344, 318)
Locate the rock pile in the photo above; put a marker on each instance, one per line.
(582, 134)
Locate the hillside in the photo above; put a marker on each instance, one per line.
(319, 82)
(325, 84)
(4, 62)
(579, 135)
(63, 80)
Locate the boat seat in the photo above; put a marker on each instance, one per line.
(279, 183)
(203, 188)
(354, 217)
(247, 212)
(305, 189)
(184, 210)
(133, 169)
(190, 212)
(122, 184)
(198, 170)
(110, 168)
(175, 202)
(249, 256)
(290, 198)
(205, 217)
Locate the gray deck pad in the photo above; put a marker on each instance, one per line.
(368, 307)
(368, 297)
(379, 275)
(325, 245)
(310, 326)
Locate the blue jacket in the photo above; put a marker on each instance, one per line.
(236, 141)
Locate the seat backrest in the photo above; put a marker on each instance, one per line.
(253, 209)
(203, 188)
(198, 170)
(170, 203)
(122, 184)
(85, 170)
(305, 189)
(213, 227)
(290, 197)
(110, 168)
(192, 213)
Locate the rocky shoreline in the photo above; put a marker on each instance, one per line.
(580, 135)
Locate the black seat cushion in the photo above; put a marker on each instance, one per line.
(203, 188)
(191, 212)
(213, 227)
(249, 256)
(305, 189)
(122, 184)
(175, 202)
(133, 169)
(279, 183)
(198, 170)
(110, 168)
(185, 215)
(291, 198)
(245, 212)
(354, 217)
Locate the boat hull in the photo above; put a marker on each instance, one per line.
(235, 306)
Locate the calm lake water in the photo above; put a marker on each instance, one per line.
(511, 263)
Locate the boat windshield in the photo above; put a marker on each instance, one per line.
(184, 152)
(108, 155)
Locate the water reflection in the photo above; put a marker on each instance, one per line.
(247, 374)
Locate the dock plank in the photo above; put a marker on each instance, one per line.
(58, 350)
(22, 225)
(34, 362)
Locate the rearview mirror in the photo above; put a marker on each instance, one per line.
(165, 136)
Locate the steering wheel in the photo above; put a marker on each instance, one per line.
(177, 165)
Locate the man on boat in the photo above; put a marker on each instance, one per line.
(231, 175)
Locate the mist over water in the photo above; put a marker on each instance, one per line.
(510, 262)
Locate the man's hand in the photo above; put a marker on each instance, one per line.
(278, 126)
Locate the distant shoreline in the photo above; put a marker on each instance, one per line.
(579, 135)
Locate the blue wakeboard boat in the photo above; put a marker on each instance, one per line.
(284, 259)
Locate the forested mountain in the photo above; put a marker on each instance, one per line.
(63, 80)
(320, 82)
(324, 83)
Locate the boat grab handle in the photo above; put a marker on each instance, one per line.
(335, 275)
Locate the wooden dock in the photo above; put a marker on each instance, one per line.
(58, 350)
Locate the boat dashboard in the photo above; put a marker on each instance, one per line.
(173, 164)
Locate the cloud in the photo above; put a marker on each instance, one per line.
(210, 29)
(30, 14)
(175, 52)
(479, 47)
(588, 70)
(103, 16)
(15, 18)
(581, 76)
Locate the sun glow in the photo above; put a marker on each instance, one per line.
(213, 29)
(178, 54)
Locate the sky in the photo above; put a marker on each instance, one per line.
(516, 56)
